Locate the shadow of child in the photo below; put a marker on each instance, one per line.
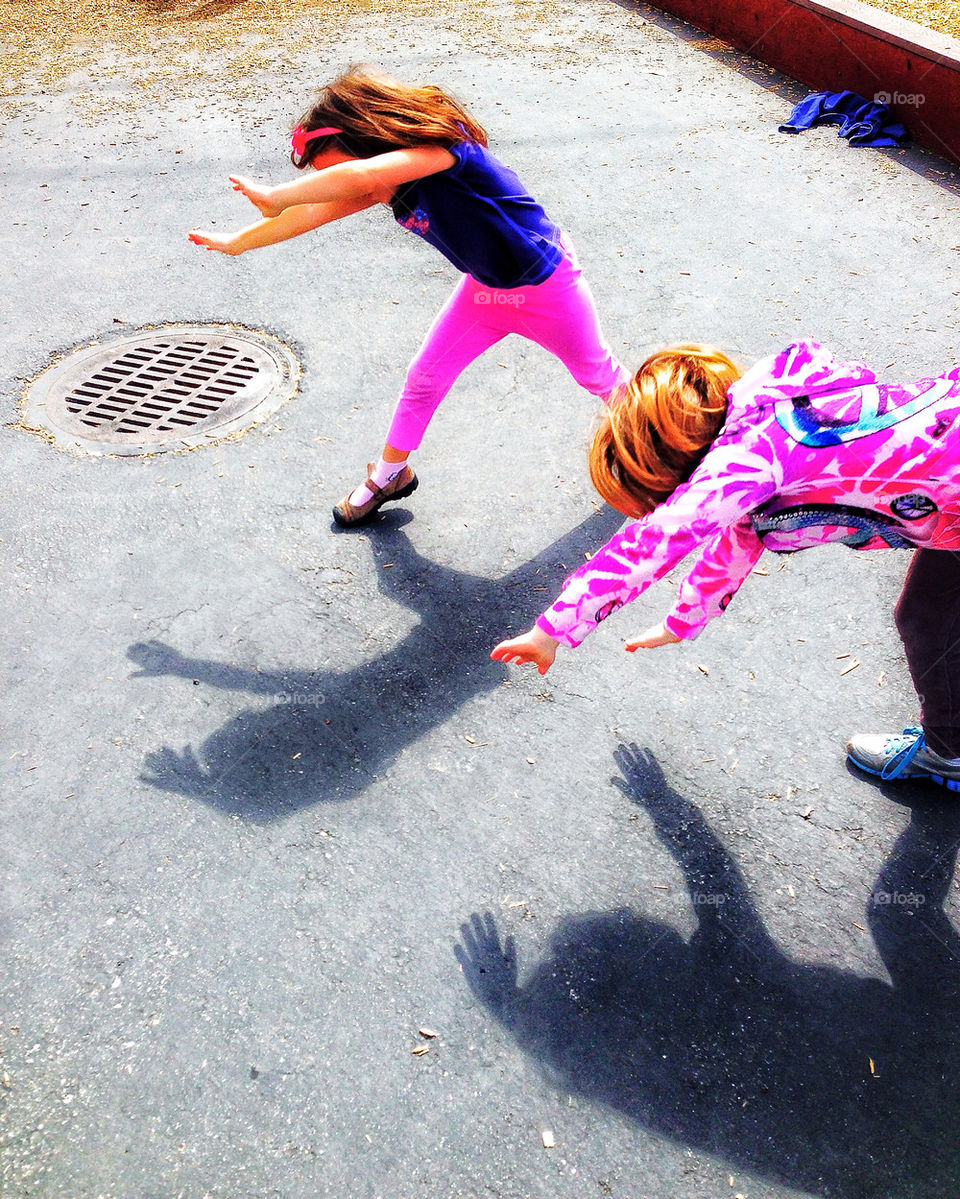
(809, 1075)
(328, 733)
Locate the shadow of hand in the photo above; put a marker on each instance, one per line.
(156, 658)
(643, 783)
(183, 772)
(640, 769)
(489, 967)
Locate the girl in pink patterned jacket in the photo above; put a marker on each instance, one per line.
(800, 450)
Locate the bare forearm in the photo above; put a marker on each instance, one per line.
(290, 223)
(301, 218)
(345, 181)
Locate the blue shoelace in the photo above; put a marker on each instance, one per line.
(908, 745)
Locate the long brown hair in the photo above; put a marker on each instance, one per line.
(378, 114)
(656, 431)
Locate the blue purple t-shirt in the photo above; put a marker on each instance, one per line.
(479, 215)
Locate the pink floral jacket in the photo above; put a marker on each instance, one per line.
(812, 450)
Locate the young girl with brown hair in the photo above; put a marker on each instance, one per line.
(373, 140)
(800, 450)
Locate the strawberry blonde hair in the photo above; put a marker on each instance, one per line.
(377, 114)
(656, 431)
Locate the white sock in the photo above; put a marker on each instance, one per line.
(382, 474)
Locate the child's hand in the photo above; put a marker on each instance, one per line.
(259, 194)
(654, 636)
(214, 241)
(535, 646)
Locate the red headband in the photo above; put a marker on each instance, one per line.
(302, 136)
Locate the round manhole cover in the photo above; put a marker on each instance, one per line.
(166, 388)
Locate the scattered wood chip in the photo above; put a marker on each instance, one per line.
(548, 1138)
(853, 666)
(294, 758)
(531, 761)
(872, 1071)
(420, 1050)
(703, 669)
(470, 741)
(807, 813)
(5, 1079)
(856, 924)
(427, 1032)
(881, 678)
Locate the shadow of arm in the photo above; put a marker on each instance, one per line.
(158, 659)
(718, 893)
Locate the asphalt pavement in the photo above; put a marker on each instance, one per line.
(305, 896)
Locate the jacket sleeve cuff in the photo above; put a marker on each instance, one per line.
(564, 636)
(683, 629)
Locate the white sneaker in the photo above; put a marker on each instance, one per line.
(902, 756)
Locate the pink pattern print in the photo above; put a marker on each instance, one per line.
(813, 450)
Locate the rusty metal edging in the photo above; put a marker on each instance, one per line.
(834, 45)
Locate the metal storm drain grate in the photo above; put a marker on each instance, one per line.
(170, 388)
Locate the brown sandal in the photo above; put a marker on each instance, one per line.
(347, 514)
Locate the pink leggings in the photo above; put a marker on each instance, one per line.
(558, 314)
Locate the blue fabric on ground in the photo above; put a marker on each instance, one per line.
(862, 122)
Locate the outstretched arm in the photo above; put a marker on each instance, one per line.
(290, 223)
(379, 176)
(733, 480)
(540, 648)
(715, 578)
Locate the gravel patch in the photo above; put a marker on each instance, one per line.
(941, 15)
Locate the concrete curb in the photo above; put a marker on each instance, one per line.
(833, 45)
